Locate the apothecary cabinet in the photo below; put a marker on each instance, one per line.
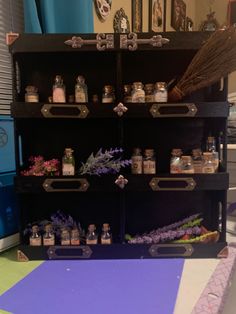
(147, 201)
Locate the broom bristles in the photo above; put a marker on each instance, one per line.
(214, 60)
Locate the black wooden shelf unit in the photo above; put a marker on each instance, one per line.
(148, 201)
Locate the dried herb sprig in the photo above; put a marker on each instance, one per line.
(104, 162)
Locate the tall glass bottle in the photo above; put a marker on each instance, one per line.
(68, 163)
(211, 147)
(59, 90)
(81, 90)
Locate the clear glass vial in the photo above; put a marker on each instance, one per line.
(68, 163)
(106, 237)
(75, 236)
(138, 94)
(91, 237)
(149, 92)
(35, 237)
(31, 94)
(187, 164)
(48, 237)
(149, 162)
(127, 93)
(108, 95)
(137, 162)
(208, 166)
(81, 90)
(176, 161)
(197, 160)
(65, 236)
(59, 90)
(160, 93)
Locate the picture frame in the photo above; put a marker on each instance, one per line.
(232, 13)
(137, 16)
(157, 16)
(178, 15)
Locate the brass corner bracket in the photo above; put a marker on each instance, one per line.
(11, 38)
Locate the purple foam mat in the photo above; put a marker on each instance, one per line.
(118, 286)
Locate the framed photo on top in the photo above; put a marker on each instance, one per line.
(137, 16)
(157, 15)
(178, 15)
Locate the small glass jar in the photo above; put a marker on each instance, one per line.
(31, 94)
(160, 93)
(59, 90)
(108, 95)
(149, 92)
(211, 144)
(208, 166)
(175, 161)
(197, 160)
(149, 162)
(81, 90)
(187, 164)
(106, 237)
(75, 237)
(137, 162)
(48, 237)
(91, 237)
(127, 93)
(68, 163)
(65, 236)
(138, 94)
(35, 237)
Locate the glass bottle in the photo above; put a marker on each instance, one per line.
(211, 147)
(35, 237)
(149, 92)
(48, 237)
(187, 164)
(127, 93)
(68, 163)
(149, 162)
(160, 93)
(75, 237)
(31, 94)
(106, 237)
(208, 166)
(137, 162)
(81, 90)
(108, 95)
(175, 161)
(138, 94)
(59, 90)
(211, 144)
(65, 236)
(197, 160)
(91, 237)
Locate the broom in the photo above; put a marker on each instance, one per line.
(214, 60)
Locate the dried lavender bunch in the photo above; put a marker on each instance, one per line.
(61, 220)
(104, 162)
(167, 236)
(175, 225)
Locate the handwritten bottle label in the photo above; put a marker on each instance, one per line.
(68, 170)
(149, 167)
(36, 241)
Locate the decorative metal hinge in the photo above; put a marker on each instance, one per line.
(121, 181)
(102, 41)
(120, 109)
(131, 41)
(11, 38)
